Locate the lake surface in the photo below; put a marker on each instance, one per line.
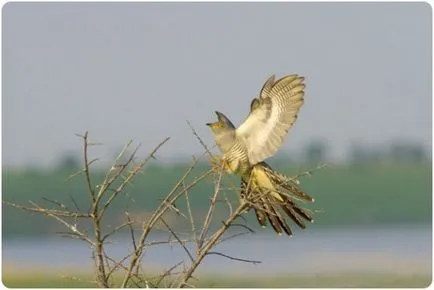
(315, 251)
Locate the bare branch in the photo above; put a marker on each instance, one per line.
(228, 203)
(128, 223)
(74, 202)
(108, 180)
(72, 228)
(209, 244)
(86, 167)
(130, 176)
(55, 202)
(208, 218)
(233, 258)
(63, 213)
(119, 264)
(172, 207)
(157, 243)
(162, 208)
(309, 171)
(72, 235)
(124, 169)
(200, 139)
(130, 226)
(233, 236)
(167, 273)
(243, 226)
(178, 239)
(190, 214)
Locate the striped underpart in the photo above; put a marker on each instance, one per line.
(237, 158)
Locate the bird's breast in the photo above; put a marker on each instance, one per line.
(225, 141)
(237, 155)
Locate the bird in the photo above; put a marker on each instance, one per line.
(259, 137)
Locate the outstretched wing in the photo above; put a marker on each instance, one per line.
(271, 116)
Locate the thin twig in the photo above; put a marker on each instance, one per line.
(233, 258)
(200, 139)
(167, 272)
(208, 217)
(63, 213)
(118, 264)
(128, 223)
(190, 214)
(130, 226)
(86, 167)
(55, 202)
(178, 239)
(243, 226)
(162, 208)
(72, 228)
(233, 236)
(74, 202)
(209, 244)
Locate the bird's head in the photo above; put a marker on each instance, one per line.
(221, 125)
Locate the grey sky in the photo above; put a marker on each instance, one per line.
(140, 70)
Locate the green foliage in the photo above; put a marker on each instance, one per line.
(346, 195)
(342, 280)
(372, 194)
(364, 280)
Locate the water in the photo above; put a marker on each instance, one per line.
(315, 251)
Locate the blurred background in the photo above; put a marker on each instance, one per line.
(141, 70)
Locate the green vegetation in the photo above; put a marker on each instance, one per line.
(358, 280)
(346, 195)
(364, 280)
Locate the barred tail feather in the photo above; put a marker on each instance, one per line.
(300, 211)
(275, 211)
(286, 183)
(272, 216)
(270, 207)
(294, 189)
(291, 212)
(261, 216)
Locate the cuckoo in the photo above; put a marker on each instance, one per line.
(261, 134)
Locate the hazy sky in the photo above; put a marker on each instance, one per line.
(140, 70)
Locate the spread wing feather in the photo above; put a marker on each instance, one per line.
(271, 117)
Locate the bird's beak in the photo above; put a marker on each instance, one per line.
(219, 115)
